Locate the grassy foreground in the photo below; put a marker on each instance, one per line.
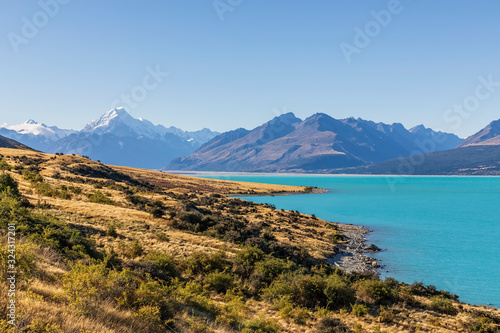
(113, 249)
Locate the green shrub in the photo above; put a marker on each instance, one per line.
(359, 310)
(32, 176)
(443, 305)
(25, 261)
(193, 294)
(99, 197)
(5, 166)
(46, 230)
(164, 264)
(205, 263)
(386, 315)
(261, 326)
(483, 325)
(132, 250)
(338, 292)
(75, 189)
(111, 231)
(8, 186)
(219, 281)
(246, 259)
(374, 291)
(303, 290)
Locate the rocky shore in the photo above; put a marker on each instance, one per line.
(352, 255)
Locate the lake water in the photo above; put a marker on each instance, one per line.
(439, 230)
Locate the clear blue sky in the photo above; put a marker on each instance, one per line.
(264, 58)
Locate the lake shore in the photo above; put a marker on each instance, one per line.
(352, 255)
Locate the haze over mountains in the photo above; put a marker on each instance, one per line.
(317, 144)
(114, 138)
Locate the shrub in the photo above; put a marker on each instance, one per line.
(46, 190)
(164, 263)
(75, 189)
(386, 315)
(205, 263)
(261, 326)
(46, 230)
(331, 325)
(32, 176)
(359, 310)
(150, 317)
(8, 186)
(111, 231)
(443, 305)
(303, 290)
(219, 281)
(193, 294)
(483, 325)
(132, 250)
(231, 313)
(5, 166)
(25, 261)
(246, 259)
(99, 197)
(338, 292)
(374, 291)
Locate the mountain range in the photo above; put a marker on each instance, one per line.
(115, 138)
(319, 143)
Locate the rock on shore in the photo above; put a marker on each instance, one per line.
(351, 255)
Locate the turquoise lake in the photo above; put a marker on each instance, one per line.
(442, 231)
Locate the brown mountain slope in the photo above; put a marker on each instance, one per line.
(490, 135)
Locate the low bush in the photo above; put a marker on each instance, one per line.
(99, 197)
(443, 305)
(359, 310)
(205, 263)
(375, 291)
(261, 326)
(218, 281)
(8, 186)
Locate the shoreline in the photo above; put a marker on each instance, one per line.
(353, 256)
(277, 194)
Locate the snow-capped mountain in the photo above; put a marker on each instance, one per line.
(118, 122)
(115, 138)
(36, 135)
(33, 128)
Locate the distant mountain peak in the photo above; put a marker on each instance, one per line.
(418, 128)
(29, 122)
(490, 135)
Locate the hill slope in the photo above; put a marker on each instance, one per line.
(316, 144)
(469, 160)
(9, 143)
(115, 249)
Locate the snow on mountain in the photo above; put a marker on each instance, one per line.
(120, 123)
(33, 128)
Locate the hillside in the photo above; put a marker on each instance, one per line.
(8, 143)
(101, 248)
(470, 160)
(288, 144)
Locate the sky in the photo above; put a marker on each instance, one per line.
(226, 64)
